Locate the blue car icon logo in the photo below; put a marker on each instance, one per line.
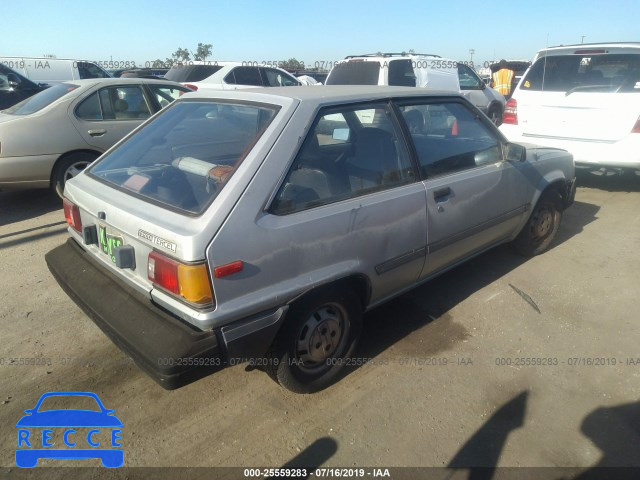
(93, 432)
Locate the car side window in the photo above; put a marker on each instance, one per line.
(165, 94)
(276, 78)
(244, 76)
(126, 103)
(401, 73)
(90, 109)
(468, 79)
(345, 157)
(448, 137)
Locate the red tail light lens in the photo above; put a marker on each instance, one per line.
(510, 115)
(636, 127)
(72, 215)
(192, 87)
(191, 282)
(163, 271)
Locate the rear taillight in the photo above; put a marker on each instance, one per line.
(192, 87)
(636, 127)
(510, 115)
(191, 282)
(72, 215)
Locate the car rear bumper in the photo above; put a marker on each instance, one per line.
(624, 153)
(171, 351)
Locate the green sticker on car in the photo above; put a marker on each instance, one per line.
(109, 242)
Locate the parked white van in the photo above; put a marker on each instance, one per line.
(581, 98)
(54, 70)
(396, 69)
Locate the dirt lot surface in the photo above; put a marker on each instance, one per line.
(503, 361)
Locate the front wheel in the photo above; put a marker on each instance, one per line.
(316, 341)
(542, 226)
(68, 167)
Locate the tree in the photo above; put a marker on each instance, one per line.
(292, 64)
(203, 51)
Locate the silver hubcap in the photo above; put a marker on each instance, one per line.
(321, 336)
(74, 169)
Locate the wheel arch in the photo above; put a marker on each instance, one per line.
(67, 154)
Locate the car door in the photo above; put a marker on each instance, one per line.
(352, 197)
(105, 116)
(475, 199)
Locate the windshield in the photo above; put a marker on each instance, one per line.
(41, 100)
(585, 73)
(184, 157)
(354, 73)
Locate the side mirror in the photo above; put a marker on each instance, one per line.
(14, 80)
(514, 152)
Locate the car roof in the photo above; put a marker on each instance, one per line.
(589, 46)
(322, 93)
(120, 80)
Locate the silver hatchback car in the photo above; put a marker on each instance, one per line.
(260, 225)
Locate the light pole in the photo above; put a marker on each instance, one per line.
(582, 38)
(471, 52)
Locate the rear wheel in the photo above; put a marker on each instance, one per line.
(495, 115)
(542, 226)
(68, 167)
(319, 335)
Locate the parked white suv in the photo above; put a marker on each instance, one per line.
(584, 99)
(229, 75)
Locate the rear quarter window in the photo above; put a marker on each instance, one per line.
(191, 73)
(354, 73)
(184, 158)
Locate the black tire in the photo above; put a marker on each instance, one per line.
(541, 227)
(68, 167)
(316, 321)
(495, 115)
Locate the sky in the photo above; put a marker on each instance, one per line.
(316, 32)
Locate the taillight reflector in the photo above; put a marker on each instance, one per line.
(190, 282)
(72, 215)
(510, 115)
(228, 269)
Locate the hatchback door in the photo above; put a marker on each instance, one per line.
(103, 117)
(583, 95)
(474, 198)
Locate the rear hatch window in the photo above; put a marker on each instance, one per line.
(191, 73)
(585, 73)
(40, 100)
(354, 73)
(184, 158)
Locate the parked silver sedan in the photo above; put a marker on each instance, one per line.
(260, 225)
(50, 137)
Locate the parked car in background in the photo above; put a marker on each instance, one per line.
(143, 73)
(14, 87)
(585, 99)
(51, 136)
(418, 70)
(260, 224)
(229, 75)
(488, 100)
(54, 70)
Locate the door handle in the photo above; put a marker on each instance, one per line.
(441, 193)
(97, 133)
